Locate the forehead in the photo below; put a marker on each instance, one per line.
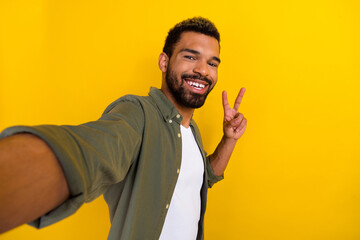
(202, 43)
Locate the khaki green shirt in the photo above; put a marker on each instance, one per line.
(132, 155)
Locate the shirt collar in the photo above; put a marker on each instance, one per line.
(165, 106)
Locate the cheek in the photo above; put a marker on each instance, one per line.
(174, 75)
(184, 67)
(214, 76)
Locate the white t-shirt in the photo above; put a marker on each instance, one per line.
(183, 215)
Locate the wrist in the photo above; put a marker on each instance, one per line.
(228, 140)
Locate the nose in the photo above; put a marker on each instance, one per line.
(202, 68)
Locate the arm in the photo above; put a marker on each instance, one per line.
(92, 156)
(233, 127)
(31, 180)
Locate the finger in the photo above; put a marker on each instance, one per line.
(243, 123)
(225, 100)
(229, 116)
(242, 127)
(239, 98)
(235, 123)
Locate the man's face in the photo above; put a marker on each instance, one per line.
(192, 69)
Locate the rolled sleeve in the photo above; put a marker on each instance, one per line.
(212, 178)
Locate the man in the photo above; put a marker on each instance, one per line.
(144, 154)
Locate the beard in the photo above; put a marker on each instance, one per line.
(183, 95)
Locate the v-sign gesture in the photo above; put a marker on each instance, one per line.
(234, 127)
(234, 122)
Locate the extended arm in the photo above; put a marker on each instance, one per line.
(31, 180)
(234, 127)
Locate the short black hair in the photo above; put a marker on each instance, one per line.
(195, 24)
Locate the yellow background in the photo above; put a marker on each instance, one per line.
(295, 174)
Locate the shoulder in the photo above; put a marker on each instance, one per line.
(132, 101)
(128, 109)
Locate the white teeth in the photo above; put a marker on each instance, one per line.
(196, 85)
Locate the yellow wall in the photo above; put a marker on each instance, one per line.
(294, 175)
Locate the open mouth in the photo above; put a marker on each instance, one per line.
(196, 85)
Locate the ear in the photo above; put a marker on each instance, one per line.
(163, 62)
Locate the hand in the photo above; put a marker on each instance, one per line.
(234, 122)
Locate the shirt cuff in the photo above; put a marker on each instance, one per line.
(212, 178)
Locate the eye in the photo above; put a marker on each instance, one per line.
(189, 57)
(213, 64)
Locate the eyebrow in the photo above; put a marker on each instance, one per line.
(198, 53)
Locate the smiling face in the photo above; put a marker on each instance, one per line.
(191, 72)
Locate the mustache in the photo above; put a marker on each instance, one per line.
(196, 76)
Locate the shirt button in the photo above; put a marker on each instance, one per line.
(178, 116)
(167, 206)
(170, 121)
(179, 135)
(178, 170)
